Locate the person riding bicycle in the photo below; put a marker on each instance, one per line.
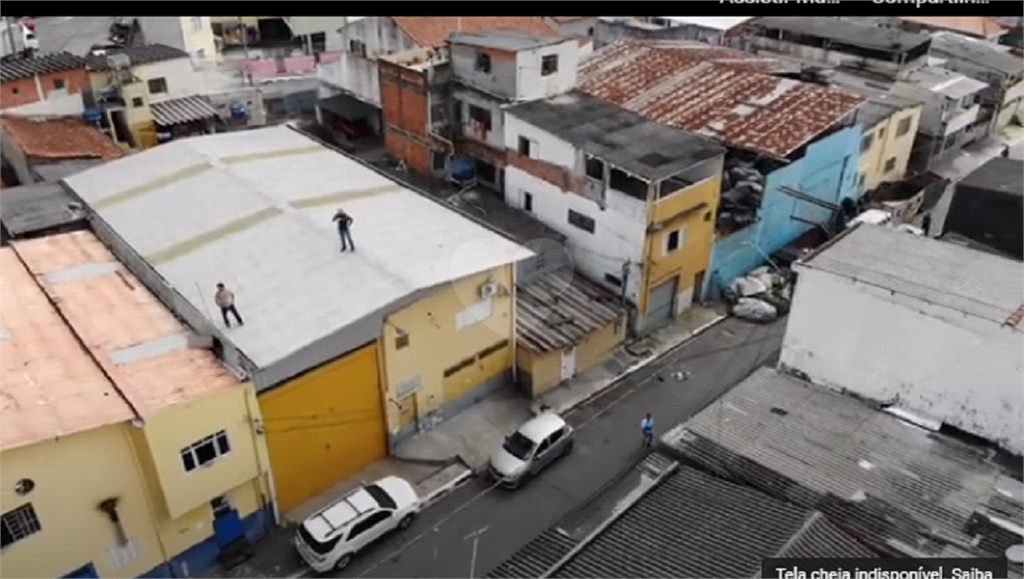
(647, 426)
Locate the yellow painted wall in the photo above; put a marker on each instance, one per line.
(886, 145)
(546, 368)
(324, 425)
(72, 475)
(694, 253)
(166, 433)
(435, 343)
(199, 38)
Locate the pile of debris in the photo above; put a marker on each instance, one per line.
(760, 296)
(742, 186)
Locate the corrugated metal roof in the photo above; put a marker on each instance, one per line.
(39, 207)
(715, 91)
(698, 525)
(13, 68)
(985, 54)
(846, 31)
(139, 344)
(182, 110)
(965, 280)
(558, 309)
(144, 54)
(884, 475)
(50, 387)
(277, 190)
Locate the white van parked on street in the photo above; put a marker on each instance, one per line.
(330, 538)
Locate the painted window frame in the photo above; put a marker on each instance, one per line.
(474, 314)
(161, 84)
(548, 64)
(19, 523)
(215, 441)
(680, 234)
(581, 221)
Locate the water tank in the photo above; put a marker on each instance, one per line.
(239, 111)
(92, 116)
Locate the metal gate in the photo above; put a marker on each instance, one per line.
(660, 303)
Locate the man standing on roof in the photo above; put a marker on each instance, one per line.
(344, 221)
(226, 302)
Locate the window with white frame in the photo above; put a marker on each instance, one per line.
(204, 451)
(17, 524)
(549, 65)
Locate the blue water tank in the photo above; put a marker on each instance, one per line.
(92, 116)
(239, 111)
(462, 169)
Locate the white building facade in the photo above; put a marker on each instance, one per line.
(929, 327)
(361, 42)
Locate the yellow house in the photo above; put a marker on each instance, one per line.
(566, 324)
(318, 336)
(680, 236)
(890, 124)
(125, 451)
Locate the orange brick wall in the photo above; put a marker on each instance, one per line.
(415, 153)
(554, 174)
(405, 110)
(74, 82)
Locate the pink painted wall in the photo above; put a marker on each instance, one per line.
(263, 68)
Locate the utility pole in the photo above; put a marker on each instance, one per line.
(245, 50)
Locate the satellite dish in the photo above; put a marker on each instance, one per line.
(1015, 553)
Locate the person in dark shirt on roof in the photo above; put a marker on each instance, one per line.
(344, 221)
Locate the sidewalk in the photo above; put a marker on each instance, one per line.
(473, 434)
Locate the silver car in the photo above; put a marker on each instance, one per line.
(530, 449)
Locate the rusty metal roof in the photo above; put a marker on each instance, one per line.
(717, 92)
(558, 309)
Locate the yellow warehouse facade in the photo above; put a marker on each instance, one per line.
(324, 425)
(125, 450)
(447, 348)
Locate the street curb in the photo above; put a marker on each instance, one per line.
(441, 492)
(637, 366)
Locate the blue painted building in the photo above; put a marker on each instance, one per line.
(827, 171)
(204, 557)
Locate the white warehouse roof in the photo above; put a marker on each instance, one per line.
(973, 282)
(253, 209)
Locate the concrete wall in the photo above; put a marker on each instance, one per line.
(441, 336)
(885, 145)
(495, 138)
(545, 369)
(72, 474)
(516, 75)
(181, 79)
(13, 154)
(835, 58)
(356, 74)
(176, 428)
(198, 40)
(620, 222)
(827, 171)
(961, 369)
(38, 96)
(682, 212)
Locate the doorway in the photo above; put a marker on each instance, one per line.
(227, 525)
(660, 302)
(698, 287)
(568, 363)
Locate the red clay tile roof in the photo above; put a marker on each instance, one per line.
(59, 138)
(977, 25)
(433, 30)
(564, 19)
(714, 91)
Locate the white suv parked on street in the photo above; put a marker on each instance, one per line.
(329, 539)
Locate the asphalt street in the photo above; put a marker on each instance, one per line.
(478, 526)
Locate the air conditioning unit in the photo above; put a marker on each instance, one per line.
(488, 290)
